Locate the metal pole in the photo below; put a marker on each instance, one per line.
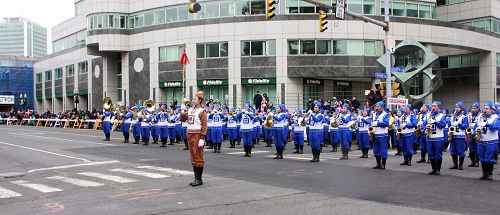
(387, 56)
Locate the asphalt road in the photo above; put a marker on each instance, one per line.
(67, 171)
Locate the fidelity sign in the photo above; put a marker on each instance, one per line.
(6, 100)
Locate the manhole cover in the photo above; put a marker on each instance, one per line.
(12, 174)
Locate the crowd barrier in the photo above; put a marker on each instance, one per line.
(62, 123)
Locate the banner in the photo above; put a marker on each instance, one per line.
(6, 100)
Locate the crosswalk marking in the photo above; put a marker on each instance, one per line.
(4, 193)
(240, 153)
(141, 173)
(78, 182)
(164, 169)
(113, 178)
(39, 187)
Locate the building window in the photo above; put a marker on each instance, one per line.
(355, 47)
(258, 48)
(227, 9)
(307, 47)
(369, 48)
(411, 10)
(498, 59)
(171, 53)
(329, 47)
(424, 11)
(38, 78)
(324, 47)
(355, 6)
(70, 70)
(149, 18)
(212, 50)
(398, 9)
(369, 7)
(82, 67)
(59, 73)
(48, 75)
(340, 47)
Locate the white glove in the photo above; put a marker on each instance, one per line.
(183, 107)
(374, 124)
(431, 121)
(310, 112)
(455, 124)
(271, 114)
(201, 143)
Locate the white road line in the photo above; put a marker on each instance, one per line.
(164, 169)
(77, 182)
(4, 193)
(141, 173)
(68, 140)
(75, 165)
(52, 153)
(113, 178)
(253, 152)
(55, 132)
(38, 187)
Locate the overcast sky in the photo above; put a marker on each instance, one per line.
(47, 13)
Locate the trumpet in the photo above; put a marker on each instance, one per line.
(269, 123)
(479, 129)
(371, 130)
(452, 129)
(399, 132)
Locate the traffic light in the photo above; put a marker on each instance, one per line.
(381, 88)
(322, 21)
(270, 9)
(193, 7)
(396, 88)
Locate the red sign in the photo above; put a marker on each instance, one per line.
(184, 58)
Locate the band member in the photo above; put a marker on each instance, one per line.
(326, 128)
(127, 117)
(397, 124)
(246, 118)
(446, 129)
(460, 123)
(334, 131)
(298, 131)
(136, 125)
(424, 114)
(435, 124)
(279, 121)
(474, 115)
(257, 120)
(364, 137)
(380, 122)
(209, 131)
(487, 137)
(146, 120)
(231, 129)
(162, 118)
(345, 132)
(184, 133)
(172, 119)
(106, 123)
(178, 126)
(407, 136)
(196, 132)
(155, 130)
(268, 132)
(316, 131)
(216, 132)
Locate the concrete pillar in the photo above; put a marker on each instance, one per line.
(191, 71)
(153, 75)
(109, 65)
(487, 77)
(125, 79)
(234, 74)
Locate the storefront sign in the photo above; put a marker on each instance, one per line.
(6, 100)
(308, 81)
(343, 83)
(258, 81)
(218, 82)
(171, 84)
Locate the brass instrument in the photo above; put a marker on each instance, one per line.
(355, 124)
(150, 105)
(303, 122)
(478, 129)
(428, 130)
(269, 123)
(335, 122)
(452, 129)
(399, 131)
(107, 103)
(371, 129)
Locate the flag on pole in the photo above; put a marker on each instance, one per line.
(184, 58)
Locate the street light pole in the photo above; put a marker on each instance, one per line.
(388, 85)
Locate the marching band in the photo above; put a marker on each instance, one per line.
(431, 130)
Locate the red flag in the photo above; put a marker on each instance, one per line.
(184, 58)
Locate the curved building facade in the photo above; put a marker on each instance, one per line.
(129, 50)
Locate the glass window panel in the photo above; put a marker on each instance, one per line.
(478, 24)
(149, 18)
(245, 48)
(242, 7)
(99, 21)
(369, 48)
(200, 51)
(340, 47)
(369, 7)
(183, 13)
(122, 22)
(292, 6)
(411, 10)
(293, 47)
(224, 49)
(355, 47)
(227, 9)
(171, 14)
(306, 7)
(424, 11)
(257, 48)
(271, 48)
(355, 6)
(307, 47)
(382, 7)
(172, 53)
(212, 50)
(454, 62)
(163, 54)
(433, 9)
(105, 21)
(211, 10)
(498, 59)
(324, 47)
(139, 21)
(258, 7)
(453, 1)
(487, 25)
(398, 9)
(474, 60)
(496, 26)
(111, 21)
(160, 16)
(39, 77)
(131, 22)
(466, 59)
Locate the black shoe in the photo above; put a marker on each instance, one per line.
(455, 162)
(301, 149)
(296, 149)
(146, 142)
(485, 171)
(405, 163)
(197, 175)
(422, 158)
(246, 151)
(489, 172)
(279, 153)
(382, 165)
(433, 165)
(344, 154)
(136, 141)
(461, 163)
(377, 158)
(314, 156)
(409, 159)
(438, 167)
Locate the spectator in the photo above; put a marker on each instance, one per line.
(257, 100)
(355, 103)
(310, 104)
(174, 103)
